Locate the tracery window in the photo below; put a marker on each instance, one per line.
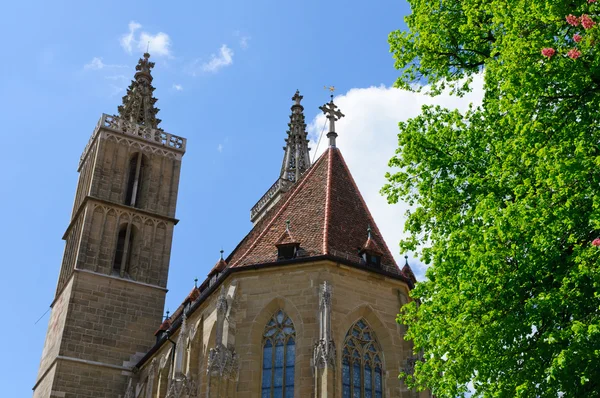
(279, 357)
(362, 367)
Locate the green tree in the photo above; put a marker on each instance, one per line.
(506, 196)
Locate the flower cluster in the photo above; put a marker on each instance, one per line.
(586, 23)
(548, 52)
(596, 242)
(572, 20)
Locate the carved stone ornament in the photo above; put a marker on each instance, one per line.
(296, 159)
(130, 393)
(138, 105)
(223, 362)
(222, 301)
(324, 354)
(182, 387)
(325, 299)
(411, 362)
(324, 350)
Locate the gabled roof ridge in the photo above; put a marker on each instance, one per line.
(327, 204)
(371, 245)
(291, 195)
(368, 211)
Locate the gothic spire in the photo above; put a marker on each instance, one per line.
(296, 160)
(138, 105)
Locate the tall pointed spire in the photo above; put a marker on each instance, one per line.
(138, 105)
(296, 160)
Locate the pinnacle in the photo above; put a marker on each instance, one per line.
(139, 104)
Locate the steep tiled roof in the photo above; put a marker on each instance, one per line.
(327, 215)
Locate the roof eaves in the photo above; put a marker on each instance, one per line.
(205, 294)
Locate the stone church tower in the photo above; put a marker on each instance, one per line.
(304, 306)
(112, 283)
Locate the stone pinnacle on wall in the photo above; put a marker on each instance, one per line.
(138, 105)
(296, 159)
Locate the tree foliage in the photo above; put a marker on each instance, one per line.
(506, 196)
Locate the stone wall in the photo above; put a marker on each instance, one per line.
(253, 296)
(160, 179)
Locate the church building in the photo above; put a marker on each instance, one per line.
(304, 306)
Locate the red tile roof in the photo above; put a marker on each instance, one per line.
(219, 266)
(194, 294)
(286, 238)
(371, 247)
(327, 214)
(163, 326)
(408, 273)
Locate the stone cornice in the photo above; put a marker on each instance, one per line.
(204, 295)
(136, 210)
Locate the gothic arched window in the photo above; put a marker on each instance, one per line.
(362, 367)
(123, 250)
(279, 357)
(137, 164)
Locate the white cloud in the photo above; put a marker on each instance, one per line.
(96, 63)
(127, 40)
(244, 41)
(178, 87)
(220, 148)
(368, 139)
(157, 44)
(223, 59)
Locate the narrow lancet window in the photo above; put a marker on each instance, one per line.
(362, 366)
(123, 250)
(279, 357)
(134, 180)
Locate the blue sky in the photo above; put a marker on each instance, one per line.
(225, 74)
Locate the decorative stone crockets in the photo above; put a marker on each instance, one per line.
(138, 105)
(222, 361)
(181, 385)
(324, 350)
(296, 159)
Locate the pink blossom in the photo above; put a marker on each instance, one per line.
(548, 52)
(587, 22)
(572, 20)
(577, 38)
(591, 1)
(574, 53)
(596, 242)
